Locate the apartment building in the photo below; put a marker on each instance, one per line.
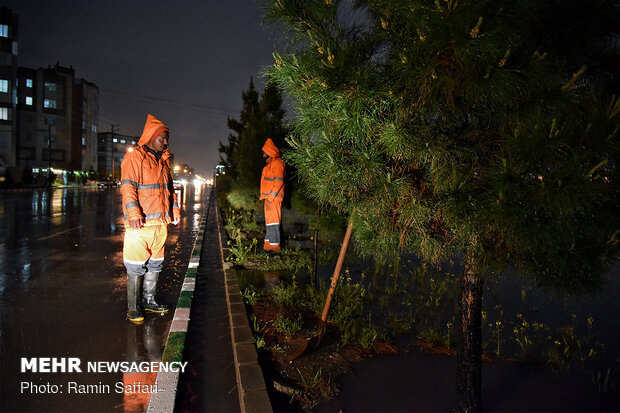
(111, 148)
(84, 139)
(8, 96)
(57, 117)
(48, 117)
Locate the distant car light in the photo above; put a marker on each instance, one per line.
(105, 182)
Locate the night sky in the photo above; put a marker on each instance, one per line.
(185, 61)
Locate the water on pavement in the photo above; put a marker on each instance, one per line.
(63, 295)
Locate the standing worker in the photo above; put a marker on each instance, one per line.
(149, 205)
(272, 191)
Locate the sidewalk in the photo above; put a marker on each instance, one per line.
(221, 376)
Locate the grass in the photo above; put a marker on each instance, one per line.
(292, 260)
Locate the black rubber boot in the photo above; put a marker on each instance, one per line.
(133, 293)
(148, 294)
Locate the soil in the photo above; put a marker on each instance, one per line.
(313, 377)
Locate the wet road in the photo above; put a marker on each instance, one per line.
(62, 294)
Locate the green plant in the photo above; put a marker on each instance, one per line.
(251, 295)
(497, 329)
(526, 334)
(311, 382)
(447, 132)
(241, 250)
(569, 349)
(289, 260)
(288, 326)
(348, 305)
(259, 340)
(434, 337)
(286, 294)
(254, 324)
(368, 335)
(248, 222)
(232, 219)
(450, 327)
(243, 198)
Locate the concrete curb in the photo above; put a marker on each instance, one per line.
(251, 388)
(167, 382)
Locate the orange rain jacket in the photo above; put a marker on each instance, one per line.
(146, 184)
(272, 178)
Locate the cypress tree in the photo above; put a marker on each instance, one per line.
(260, 118)
(457, 128)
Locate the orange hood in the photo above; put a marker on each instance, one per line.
(270, 149)
(152, 129)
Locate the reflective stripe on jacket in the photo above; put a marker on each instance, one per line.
(272, 178)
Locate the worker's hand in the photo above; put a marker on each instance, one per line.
(136, 223)
(176, 220)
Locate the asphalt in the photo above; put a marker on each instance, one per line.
(63, 294)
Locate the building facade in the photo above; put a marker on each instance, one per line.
(86, 113)
(8, 95)
(111, 149)
(57, 117)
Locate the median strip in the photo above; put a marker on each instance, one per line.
(163, 400)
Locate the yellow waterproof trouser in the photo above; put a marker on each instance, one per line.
(144, 248)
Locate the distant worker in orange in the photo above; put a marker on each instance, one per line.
(149, 205)
(272, 191)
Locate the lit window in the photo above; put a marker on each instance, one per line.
(95, 128)
(15, 48)
(4, 85)
(29, 100)
(50, 86)
(28, 82)
(4, 30)
(133, 142)
(4, 113)
(122, 140)
(50, 104)
(114, 140)
(83, 141)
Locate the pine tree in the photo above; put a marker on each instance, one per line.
(261, 117)
(456, 128)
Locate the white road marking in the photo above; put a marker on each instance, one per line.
(59, 233)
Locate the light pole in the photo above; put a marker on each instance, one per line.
(49, 122)
(112, 142)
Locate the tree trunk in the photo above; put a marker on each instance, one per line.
(469, 357)
(315, 249)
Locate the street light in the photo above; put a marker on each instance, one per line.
(112, 141)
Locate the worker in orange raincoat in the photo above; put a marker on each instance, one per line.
(149, 205)
(272, 191)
